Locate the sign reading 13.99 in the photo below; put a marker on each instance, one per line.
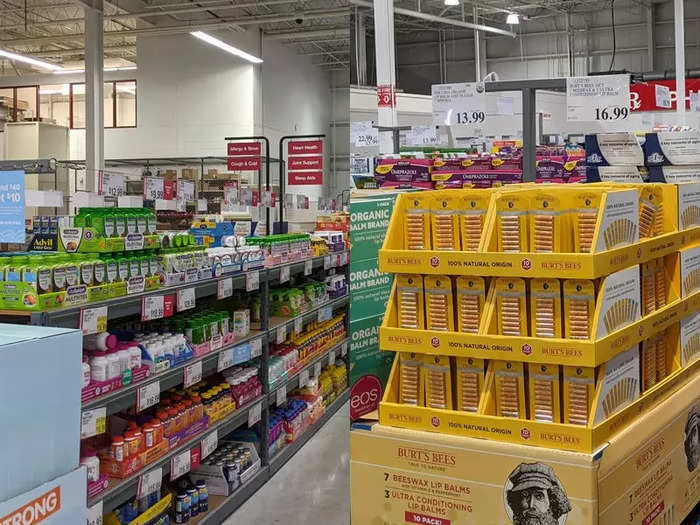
(462, 104)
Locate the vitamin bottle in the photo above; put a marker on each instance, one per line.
(99, 271)
(86, 372)
(92, 465)
(118, 449)
(72, 270)
(98, 366)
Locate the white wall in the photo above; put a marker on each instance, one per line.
(191, 95)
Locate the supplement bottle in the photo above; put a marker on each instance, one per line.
(98, 367)
(113, 367)
(92, 465)
(118, 449)
(99, 271)
(86, 372)
(72, 270)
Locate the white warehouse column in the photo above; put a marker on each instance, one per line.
(678, 14)
(386, 67)
(94, 92)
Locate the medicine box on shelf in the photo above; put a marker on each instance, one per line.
(40, 380)
(217, 479)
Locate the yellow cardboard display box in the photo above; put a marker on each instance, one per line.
(648, 474)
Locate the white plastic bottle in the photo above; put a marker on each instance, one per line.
(134, 357)
(86, 372)
(124, 360)
(102, 341)
(98, 367)
(113, 367)
(92, 465)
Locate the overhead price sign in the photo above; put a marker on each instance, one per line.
(305, 163)
(244, 156)
(598, 98)
(460, 104)
(12, 206)
(363, 134)
(110, 184)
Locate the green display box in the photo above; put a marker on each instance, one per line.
(89, 240)
(369, 220)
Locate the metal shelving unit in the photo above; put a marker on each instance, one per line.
(119, 491)
(218, 514)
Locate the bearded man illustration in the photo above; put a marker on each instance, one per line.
(536, 496)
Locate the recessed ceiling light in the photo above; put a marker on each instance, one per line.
(513, 18)
(226, 47)
(29, 60)
(451, 2)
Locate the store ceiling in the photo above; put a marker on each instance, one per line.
(53, 30)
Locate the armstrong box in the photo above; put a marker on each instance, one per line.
(648, 474)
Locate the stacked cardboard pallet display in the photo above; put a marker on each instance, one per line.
(555, 316)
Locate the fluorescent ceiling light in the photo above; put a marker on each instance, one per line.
(451, 2)
(29, 60)
(513, 18)
(226, 47)
(81, 71)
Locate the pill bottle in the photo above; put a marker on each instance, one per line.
(119, 223)
(111, 271)
(87, 271)
(59, 272)
(124, 359)
(86, 372)
(122, 268)
(100, 341)
(140, 440)
(131, 222)
(131, 445)
(92, 465)
(134, 266)
(157, 430)
(134, 357)
(99, 271)
(44, 274)
(108, 219)
(98, 367)
(118, 449)
(142, 222)
(113, 366)
(72, 270)
(149, 436)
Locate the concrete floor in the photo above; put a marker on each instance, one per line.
(312, 488)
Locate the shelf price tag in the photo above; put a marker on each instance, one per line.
(210, 443)
(281, 396)
(255, 348)
(152, 307)
(147, 396)
(317, 369)
(225, 360)
(252, 281)
(95, 513)
(281, 334)
(663, 96)
(462, 103)
(153, 188)
(325, 313)
(326, 262)
(344, 349)
(192, 374)
(298, 325)
(224, 288)
(308, 266)
(180, 464)
(331, 358)
(93, 320)
(185, 190)
(344, 258)
(303, 377)
(217, 342)
(284, 274)
(149, 482)
(185, 299)
(598, 98)
(254, 414)
(93, 422)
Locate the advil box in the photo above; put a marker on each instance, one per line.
(649, 474)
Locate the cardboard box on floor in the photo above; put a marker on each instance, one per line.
(649, 474)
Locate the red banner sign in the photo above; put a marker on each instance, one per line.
(305, 147)
(643, 94)
(244, 148)
(305, 177)
(243, 163)
(386, 96)
(305, 163)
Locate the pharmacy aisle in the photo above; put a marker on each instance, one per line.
(312, 488)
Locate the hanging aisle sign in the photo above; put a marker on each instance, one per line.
(244, 156)
(386, 96)
(598, 98)
(461, 104)
(305, 162)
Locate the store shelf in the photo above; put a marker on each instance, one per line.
(284, 455)
(531, 349)
(128, 305)
(221, 507)
(292, 382)
(120, 491)
(126, 396)
(297, 267)
(559, 265)
(277, 322)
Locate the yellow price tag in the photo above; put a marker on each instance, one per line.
(102, 323)
(101, 425)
